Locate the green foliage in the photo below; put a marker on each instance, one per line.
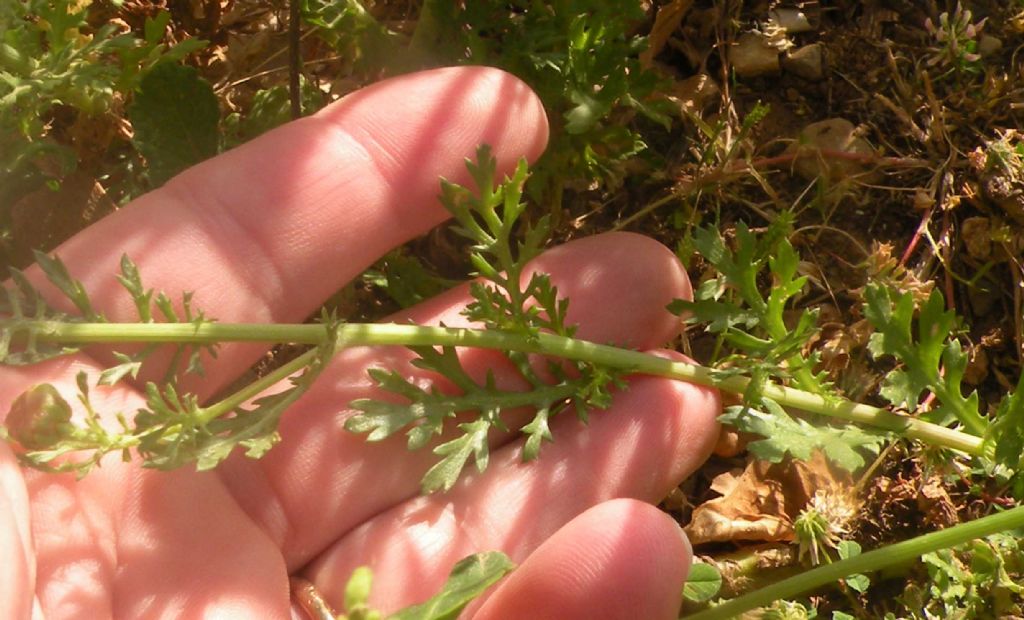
(357, 596)
(716, 144)
(580, 56)
(703, 583)
(405, 279)
(175, 115)
(367, 44)
(500, 302)
(50, 56)
(857, 582)
(844, 445)
(1005, 435)
(981, 579)
(764, 344)
(426, 413)
(931, 358)
(956, 43)
(271, 107)
(731, 305)
(788, 610)
(24, 305)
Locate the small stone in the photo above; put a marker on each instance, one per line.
(989, 45)
(753, 55)
(791, 20)
(836, 135)
(977, 237)
(807, 62)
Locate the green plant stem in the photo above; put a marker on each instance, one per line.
(359, 334)
(254, 389)
(868, 562)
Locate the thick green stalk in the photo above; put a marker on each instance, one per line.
(358, 334)
(868, 562)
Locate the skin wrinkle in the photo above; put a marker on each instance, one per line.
(381, 156)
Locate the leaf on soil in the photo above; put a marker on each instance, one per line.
(175, 116)
(760, 503)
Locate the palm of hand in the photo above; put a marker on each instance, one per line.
(265, 233)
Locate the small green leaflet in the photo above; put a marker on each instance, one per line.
(783, 434)
(175, 115)
(473, 442)
(468, 580)
(858, 582)
(357, 596)
(57, 273)
(703, 582)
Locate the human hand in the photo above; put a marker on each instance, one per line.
(265, 233)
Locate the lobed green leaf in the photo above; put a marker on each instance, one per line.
(784, 434)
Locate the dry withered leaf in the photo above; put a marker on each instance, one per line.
(838, 341)
(749, 509)
(933, 499)
(666, 23)
(882, 267)
(760, 503)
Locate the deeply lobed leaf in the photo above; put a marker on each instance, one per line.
(930, 356)
(784, 434)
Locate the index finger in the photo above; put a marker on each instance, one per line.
(269, 230)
